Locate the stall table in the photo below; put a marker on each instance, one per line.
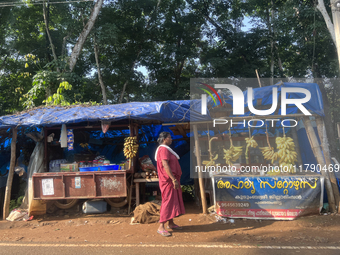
(137, 181)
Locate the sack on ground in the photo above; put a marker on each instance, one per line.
(147, 213)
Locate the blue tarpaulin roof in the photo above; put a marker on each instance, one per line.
(167, 111)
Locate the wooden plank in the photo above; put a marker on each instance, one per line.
(199, 161)
(137, 194)
(320, 160)
(10, 174)
(130, 194)
(181, 130)
(325, 148)
(146, 180)
(46, 161)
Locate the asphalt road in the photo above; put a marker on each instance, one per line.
(159, 249)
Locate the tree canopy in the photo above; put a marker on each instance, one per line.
(171, 40)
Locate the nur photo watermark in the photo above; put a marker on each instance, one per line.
(240, 128)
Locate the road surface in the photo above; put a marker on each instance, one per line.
(159, 249)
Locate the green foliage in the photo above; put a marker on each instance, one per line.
(188, 189)
(58, 98)
(175, 40)
(15, 203)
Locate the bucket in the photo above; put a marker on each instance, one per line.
(94, 206)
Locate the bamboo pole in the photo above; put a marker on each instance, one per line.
(10, 174)
(200, 179)
(297, 146)
(130, 161)
(258, 78)
(320, 160)
(325, 148)
(133, 161)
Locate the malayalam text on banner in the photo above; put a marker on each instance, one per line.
(284, 197)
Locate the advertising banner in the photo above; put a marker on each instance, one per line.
(262, 197)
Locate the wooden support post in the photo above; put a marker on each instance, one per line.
(136, 158)
(258, 78)
(130, 194)
(297, 146)
(46, 155)
(10, 174)
(325, 148)
(320, 160)
(130, 160)
(199, 162)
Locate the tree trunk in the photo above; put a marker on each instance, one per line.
(127, 81)
(123, 91)
(63, 49)
(48, 32)
(333, 28)
(10, 174)
(328, 119)
(96, 54)
(269, 25)
(272, 43)
(336, 24)
(83, 35)
(321, 7)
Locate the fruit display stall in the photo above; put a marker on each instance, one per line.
(134, 124)
(84, 175)
(266, 171)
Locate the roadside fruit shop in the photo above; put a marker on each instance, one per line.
(95, 152)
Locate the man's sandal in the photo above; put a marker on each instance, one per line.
(164, 233)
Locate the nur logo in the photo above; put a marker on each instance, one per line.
(238, 99)
(204, 97)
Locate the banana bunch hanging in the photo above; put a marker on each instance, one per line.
(212, 160)
(232, 154)
(84, 145)
(130, 146)
(286, 152)
(268, 152)
(250, 141)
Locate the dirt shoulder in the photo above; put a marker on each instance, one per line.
(198, 228)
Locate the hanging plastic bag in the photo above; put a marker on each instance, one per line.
(70, 139)
(105, 125)
(63, 137)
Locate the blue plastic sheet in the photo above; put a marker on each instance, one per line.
(167, 111)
